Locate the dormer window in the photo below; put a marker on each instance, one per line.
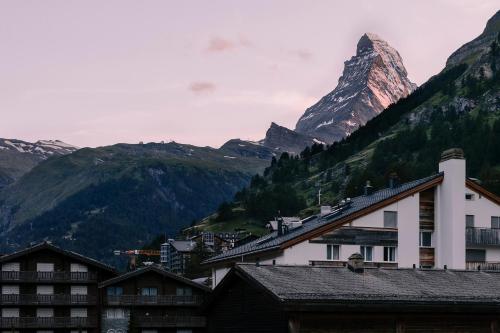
(469, 196)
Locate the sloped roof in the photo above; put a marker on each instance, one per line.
(51, 247)
(157, 270)
(304, 284)
(359, 204)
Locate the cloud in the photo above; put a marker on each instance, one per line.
(201, 87)
(302, 54)
(220, 44)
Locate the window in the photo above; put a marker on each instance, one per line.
(78, 313)
(79, 290)
(389, 253)
(469, 221)
(115, 313)
(495, 222)
(184, 291)
(114, 291)
(425, 238)
(11, 267)
(10, 290)
(45, 290)
(469, 196)
(75, 267)
(333, 252)
(10, 312)
(44, 267)
(475, 255)
(45, 312)
(149, 291)
(367, 252)
(390, 219)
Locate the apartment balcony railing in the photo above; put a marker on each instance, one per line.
(50, 322)
(61, 299)
(482, 236)
(28, 276)
(154, 300)
(169, 321)
(482, 265)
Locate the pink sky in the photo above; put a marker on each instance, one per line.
(94, 73)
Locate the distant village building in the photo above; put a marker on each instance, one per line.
(306, 299)
(441, 221)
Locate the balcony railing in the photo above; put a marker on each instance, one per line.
(61, 299)
(482, 265)
(28, 276)
(482, 236)
(154, 300)
(50, 322)
(170, 321)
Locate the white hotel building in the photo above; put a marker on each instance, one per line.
(441, 221)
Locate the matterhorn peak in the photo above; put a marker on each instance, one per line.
(372, 80)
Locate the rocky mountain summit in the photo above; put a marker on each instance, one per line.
(372, 80)
(280, 139)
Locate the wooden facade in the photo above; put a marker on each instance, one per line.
(154, 300)
(46, 288)
(426, 217)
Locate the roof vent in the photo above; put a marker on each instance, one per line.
(393, 180)
(324, 210)
(356, 263)
(368, 188)
(452, 154)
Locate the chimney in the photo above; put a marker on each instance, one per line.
(393, 180)
(368, 188)
(356, 263)
(450, 212)
(280, 226)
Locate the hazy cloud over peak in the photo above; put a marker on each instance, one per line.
(202, 87)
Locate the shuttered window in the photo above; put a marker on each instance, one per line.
(78, 290)
(75, 267)
(495, 222)
(45, 290)
(78, 313)
(10, 290)
(45, 312)
(44, 267)
(11, 267)
(10, 312)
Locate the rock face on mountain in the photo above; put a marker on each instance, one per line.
(372, 80)
(281, 139)
(18, 157)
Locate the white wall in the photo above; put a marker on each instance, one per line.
(482, 208)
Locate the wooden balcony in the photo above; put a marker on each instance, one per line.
(29, 276)
(60, 299)
(154, 300)
(170, 321)
(482, 236)
(53, 322)
(482, 265)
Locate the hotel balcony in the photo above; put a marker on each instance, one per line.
(482, 265)
(153, 300)
(61, 299)
(482, 236)
(29, 276)
(50, 322)
(170, 321)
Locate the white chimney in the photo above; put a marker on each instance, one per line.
(450, 211)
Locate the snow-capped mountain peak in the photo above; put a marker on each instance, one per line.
(41, 148)
(372, 80)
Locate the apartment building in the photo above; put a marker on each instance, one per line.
(442, 221)
(152, 300)
(47, 290)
